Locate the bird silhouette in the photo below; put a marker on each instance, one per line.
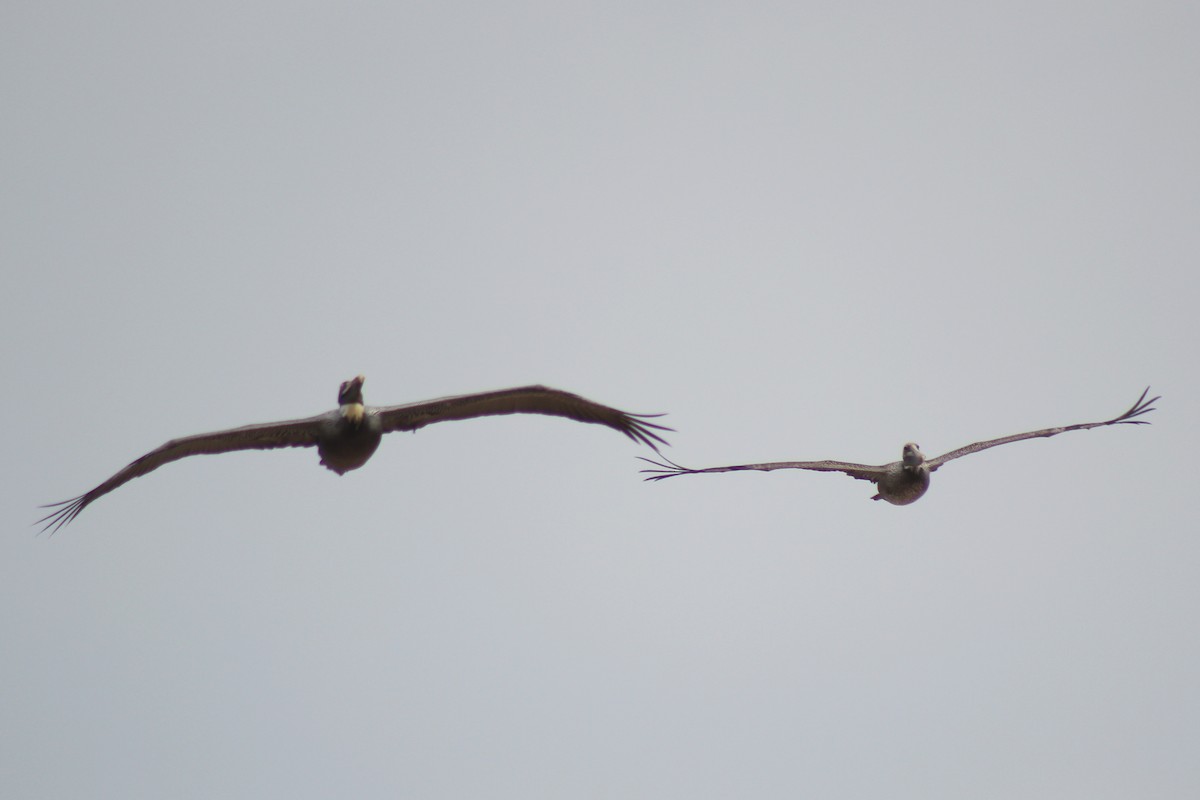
(905, 481)
(347, 437)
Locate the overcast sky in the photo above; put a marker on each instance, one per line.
(802, 230)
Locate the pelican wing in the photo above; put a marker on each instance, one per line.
(522, 400)
(266, 436)
(863, 472)
(1142, 406)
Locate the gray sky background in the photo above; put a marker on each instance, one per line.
(804, 230)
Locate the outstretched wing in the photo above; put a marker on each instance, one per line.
(863, 472)
(267, 436)
(1142, 406)
(522, 400)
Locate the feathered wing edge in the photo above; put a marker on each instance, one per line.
(862, 472)
(295, 433)
(522, 400)
(1142, 406)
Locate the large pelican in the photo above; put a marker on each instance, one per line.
(904, 481)
(346, 437)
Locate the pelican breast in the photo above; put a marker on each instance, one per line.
(348, 440)
(902, 485)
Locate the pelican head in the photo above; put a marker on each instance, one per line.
(350, 399)
(351, 391)
(913, 457)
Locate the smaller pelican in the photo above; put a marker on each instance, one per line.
(904, 481)
(346, 437)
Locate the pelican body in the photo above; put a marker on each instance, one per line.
(349, 436)
(906, 480)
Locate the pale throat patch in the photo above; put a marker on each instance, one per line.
(353, 412)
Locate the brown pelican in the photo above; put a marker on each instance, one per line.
(346, 437)
(904, 481)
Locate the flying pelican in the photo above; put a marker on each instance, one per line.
(904, 481)
(346, 437)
